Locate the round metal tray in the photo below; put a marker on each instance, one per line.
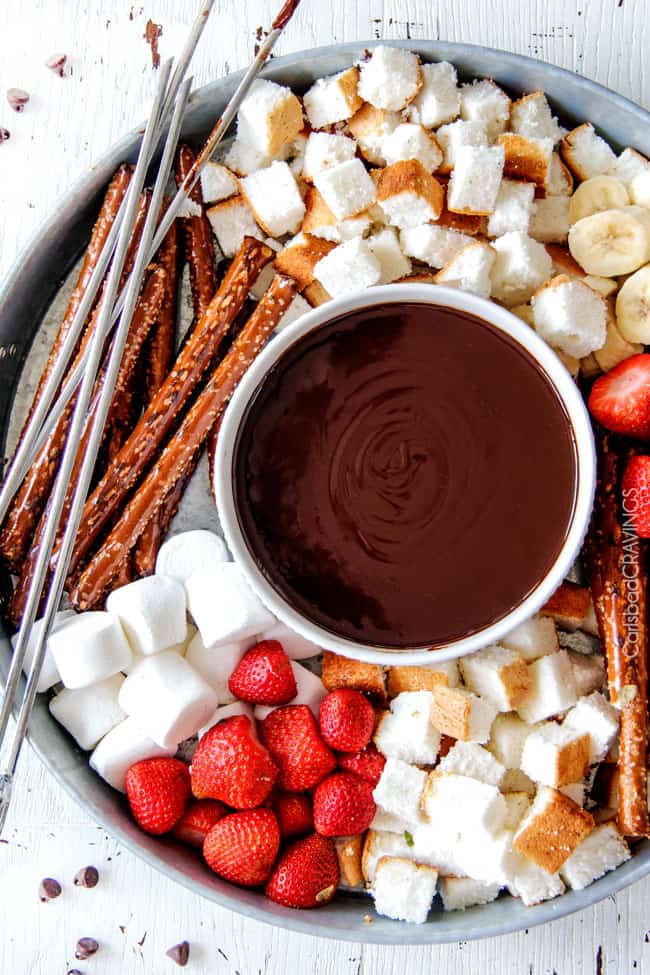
(24, 298)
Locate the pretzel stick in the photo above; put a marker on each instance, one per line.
(178, 456)
(27, 507)
(616, 564)
(143, 319)
(198, 241)
(171, 399)
(161, 345)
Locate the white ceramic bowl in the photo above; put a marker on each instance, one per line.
(431, 295)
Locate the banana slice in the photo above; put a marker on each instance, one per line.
(612, 242)
(604, 286)
(595, 195)
(589, 366)
(633, 307)
(640, 188)
(616, 348)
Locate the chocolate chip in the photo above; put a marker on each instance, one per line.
(17, 98)
(85, 948)
(4, 134)
(57, 63)
(86, 877)
(74, 971)
(49, 889)
(180, 953)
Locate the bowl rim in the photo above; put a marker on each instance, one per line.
(73, 773)
(431, 296)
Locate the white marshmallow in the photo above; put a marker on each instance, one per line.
(216, 664)
(167, 698)
(294, 645)
(120, 749)
(224, 606)
(90, 712)
(49, 675)
(89, 647)
(227, 711)
(311, 692)
(189, 552)
(152, 612)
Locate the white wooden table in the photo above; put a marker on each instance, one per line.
(136, 913)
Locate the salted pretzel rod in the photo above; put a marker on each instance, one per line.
(198, 241)
(615, 559)
(174, 461)
(162, 341)
(144, 316)
(28, 504)
(171, 399)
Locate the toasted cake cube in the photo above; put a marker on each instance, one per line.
(346, 188)
(433, 245)
(602, 850)
(269, 117)
(528, 159)
(399, 790)
(324, 150)
(370, 127)
(408, 194)
(531, 117)
(385, 247)
(348, 851)
(483, 101)
(513, 208)
(349, 267)
(340, 671)
(464, 803)
(217, 183)
(300, 256)
(412, 141)
(231, 221)
(586, 153)
(507, 739)
(534, 638)
(455, 136)
(406, 732)
(498, 674)
(468, 758)
(422, 678)
(628, 165)
(459, 893)
(391, 78)
(475, 180)
(552, 829)
(320, 221)
(532, 883)
(333, 99)
(377, 845)
(599, 720)
(570, 316)
(273, 196)
(469, 270)
(404, 890)
(552, 689)
(550, 220)
(522, 266)
(466, 223)
(438, 100)
(461, 714)
(555, 755)
(517, 805)
(588, 672)
(559, 179)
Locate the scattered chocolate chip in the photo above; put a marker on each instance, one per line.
(57, 63)
(86, 877)
(85, 948)
(49, 889)
(17, 98)
(4, 134)
(180, 953)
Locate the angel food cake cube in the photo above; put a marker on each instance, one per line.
(412, 141)
(552, 829)
(391, 78)
(349, 267)
(531, 117)
(555, 755)
(270, 116)
(231, 221)
(469, 270)
(468, 758)
(399, 790)
(483, 101)
(406, 731)
(513, 208)
(333, 99)
(475, 180)
(438, 100)
(433, 245)
(552, 689)
(346, 188)
(461, 714)
(273, 196)
(456, 135)
(498, 674)
(408, 194)
(324, 150)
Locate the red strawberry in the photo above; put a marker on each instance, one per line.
(343, 805)
(368, 763)
(636, 493)
(620, 399)
(294, 813)
(293, 739)
(158, 790)
(242, 847)
(232, 765)
(306, 875)
(197, 821)
(264, 675)
(346, 720)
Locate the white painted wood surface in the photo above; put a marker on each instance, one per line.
(135, 913)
